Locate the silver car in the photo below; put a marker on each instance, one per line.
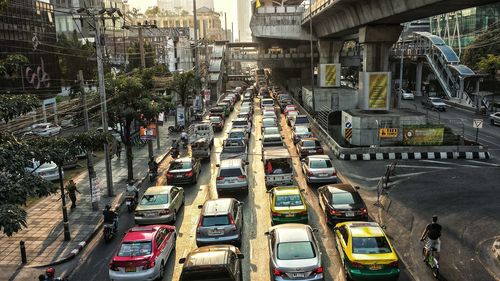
(294, 253)
(159, 204)
(221, 222)
(232, 176)
(319, 169)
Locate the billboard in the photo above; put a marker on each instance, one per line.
(415, 135)
(149, 132)
(329, 75)
(375, 90)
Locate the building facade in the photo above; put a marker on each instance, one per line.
(244, 11)
(186, 5)
(27, 28)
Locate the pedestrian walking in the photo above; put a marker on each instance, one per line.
(72, 190)
(118, 149)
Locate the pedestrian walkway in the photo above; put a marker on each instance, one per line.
(44, 237)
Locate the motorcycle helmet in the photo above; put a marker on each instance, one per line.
(434, 218)
(50, 272)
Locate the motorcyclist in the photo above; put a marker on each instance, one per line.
(432, 232)
(110, 217)
(175, 144)
(153, 166)
(132, 190)
(50, 274)
(184, 136)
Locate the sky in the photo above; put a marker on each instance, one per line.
(228, 6)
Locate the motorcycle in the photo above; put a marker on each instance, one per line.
(174, 153)
(175, 128)
(131, 203)
(109, 231)
(152, 175)
(184, 143)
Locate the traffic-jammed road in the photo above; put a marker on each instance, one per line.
(92, 264)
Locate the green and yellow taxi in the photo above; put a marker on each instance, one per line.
(365, 251)
(226, 108)
(288, 205)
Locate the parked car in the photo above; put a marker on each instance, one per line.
(341, 202)
(234, 148)
(232, 176)
(242, 123)
(183, 170)
(159, 204)
(300, 132)
(434, 103)
(217, 262)
(365, 251)
(294, 253)
(269, 122)
(46, 129)
(309, 146)
(217, 123)
(288, 205)
(319, 169)
(299, 120)
(406, 94)
(143, 253)
(48, 171)
(220, 222)
(238, 134)
(495, 118)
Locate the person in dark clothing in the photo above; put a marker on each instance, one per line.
(110, 216)
(72, 190)
(41, 277)
(153, 166)
(118, 149)
(433, 233)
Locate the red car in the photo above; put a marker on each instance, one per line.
(143, 253)
(217, 123)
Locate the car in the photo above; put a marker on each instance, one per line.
(365, 251)
(242, 123)
(406, 94)
(46, 129)
(290, 107)
(143, 253)
(216, 262)
(495, 118)
(183, 170)
(230, 102)
(299, 120)
(319, 169)
(290, 115)
(288, 205)
(341, 202)
(232, 176)
(294, 253)
(246, 109)
(217, 111)
(246, 103)
(245, 115)
(309, 146)
(217, 123)
(266, 102)
(248, 95)
(270, 140)
(269, 114)
(67, 121)
(234, 148)
(269, 122)
(238, 134)
(220, 222)
(434, 103)
(225, 107)
(300, 132)
(270, 131)
(48, 170)
(159, 204)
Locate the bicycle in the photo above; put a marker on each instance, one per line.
(431, 261)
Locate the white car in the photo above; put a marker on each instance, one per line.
(495, 118)
(48, 171)
(46, 129)
(67, 121)
(406, 95)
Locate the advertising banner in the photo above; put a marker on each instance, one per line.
(329, 75)
(375, 90)
(149, 132)
(385, 133)
(181, 116)
(423, 135)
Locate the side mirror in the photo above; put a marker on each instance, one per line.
(302, 190)
(315, 229)
(241, 256)
(182, 260)
(246, 162)
(217, 165)
(200, 207)
(269, 191)
(266, 233)
(356, 187)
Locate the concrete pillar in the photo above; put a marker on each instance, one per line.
(461, 89)
(377, 41)
(418, 82)
(305, 76)
(329, 51)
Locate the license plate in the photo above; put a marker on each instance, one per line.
(290, 215)
(128, 203)
(215, 232)
(129, 269)
(349, 214)
(298, 275)
(375, 267)
(149, 214)
(323, 175)
(312, 150)
(178, 176)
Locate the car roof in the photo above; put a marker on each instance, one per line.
(240, 119)
(159, 189)
(183, 159)
(237, 130)
(230, 163)
(340, 188)
(318, 157)
(309, 139)
(142, 233)
(364, 229)
(209, 255)
(276, 152)
(286, 190)
(292, 232)
(216, 207)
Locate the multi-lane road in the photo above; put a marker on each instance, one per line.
(92, 264)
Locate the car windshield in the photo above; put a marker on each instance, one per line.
(271, 131)
(318, 164)
(301, 120)
(240, 123)
(436, 100)
(214, 119)
(268, 122)
(268, 102)
(310, 143)
(215, 220)
(288, 200)
(154, 199)
(236, 135)
(301, 130)
(234, 172)
(207, 274)
(135, 249)
(370, 245)
(180, 166)
(296, 250)
(345, 198)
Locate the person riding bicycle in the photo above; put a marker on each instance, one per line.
(432, 232)
(110, 216)
(153, 166)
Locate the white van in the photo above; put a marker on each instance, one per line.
(201, 130)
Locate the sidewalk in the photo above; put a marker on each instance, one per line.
(44, 239)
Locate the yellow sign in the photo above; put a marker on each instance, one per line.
(257, 4)
(378, 91)
(413, 135)
(348, 134)
(330, 75)
(388, 133)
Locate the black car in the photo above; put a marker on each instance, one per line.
(183, 170)
(309, 146)
(342, 202)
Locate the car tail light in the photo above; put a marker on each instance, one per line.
(137, 214)
(275, 214)
(219, 178)
(318, 270)
(320, 150)
(334, 212)
(242, 177)
(334, 173)
(170, 175)
(231, 219)
(394, 264)
(303, 213)
(277, 272)
(356, 264)
(364, 211)
(150, 264)
(113, 266)
(311, 174)
(165, 212)
(189, 174)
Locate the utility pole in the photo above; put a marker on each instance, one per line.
(104, 109)
(232, 31)
(196, 55)
(90, 159)
(141, 48)
(225, 25)
(312, 60)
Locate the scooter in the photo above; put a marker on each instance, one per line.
(175, 128)
(109, 231)
(131, 203)
(152, 175)
(184, 143)
(174, 153)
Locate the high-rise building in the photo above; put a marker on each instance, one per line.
(186, 5)
(243, 33)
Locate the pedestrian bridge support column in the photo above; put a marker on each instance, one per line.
(377, 41)
(329, 51)
(418, 78)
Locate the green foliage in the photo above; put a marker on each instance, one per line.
(484, 45)
(134, 55)
(12, 63)
(12, 106)
(489, 64)
(74, 56)
(152, 11)
(185, 84)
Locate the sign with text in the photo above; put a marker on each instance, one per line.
(329, 75)
(149, 132)
(375, 90)
(385, 133)
(413, 135)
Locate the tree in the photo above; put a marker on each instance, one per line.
(152, 11)
(74, 56)
(489, 64)
(185, 84)
(484, 44)
(10, 68)
(135, 55)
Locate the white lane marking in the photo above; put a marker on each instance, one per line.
(423, 167)
(440, 162)
(484, 163)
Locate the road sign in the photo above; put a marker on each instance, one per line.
(388, 133)
(348, 134)
(348, 125)
(477, 123)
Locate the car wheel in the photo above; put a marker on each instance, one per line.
(174, 217)
(162, 271)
